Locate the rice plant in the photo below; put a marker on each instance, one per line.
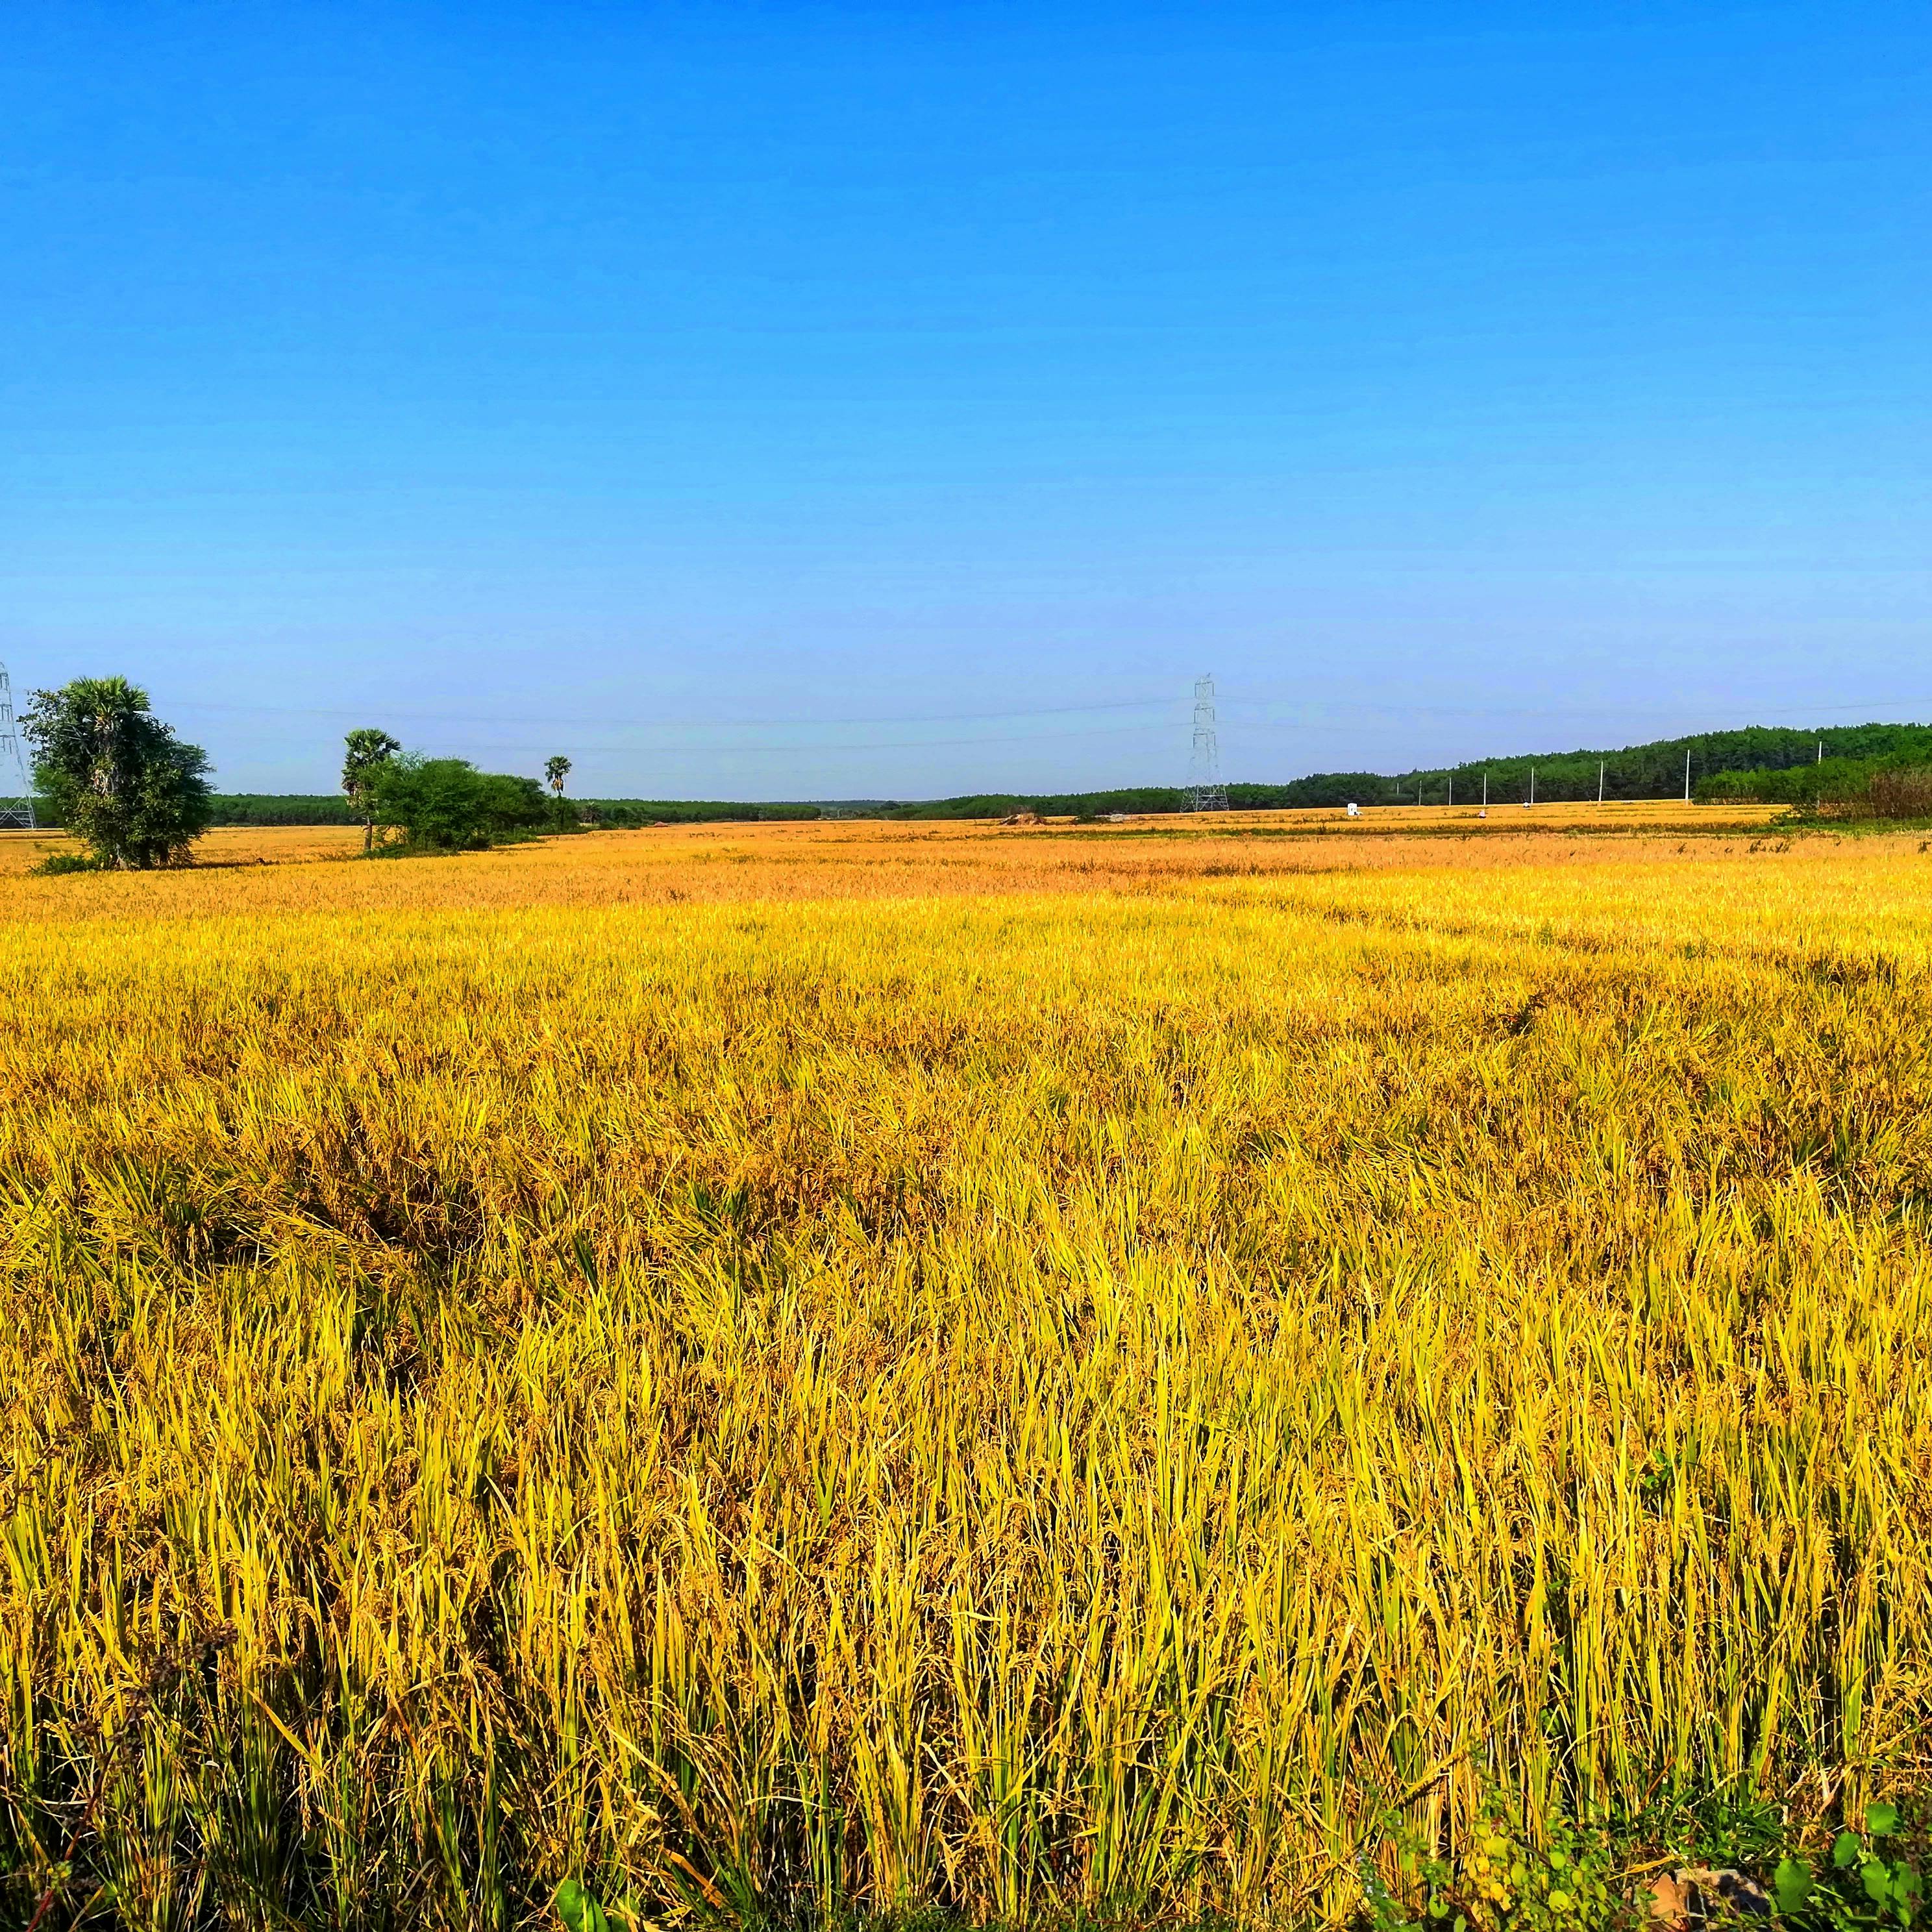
(826, 1372)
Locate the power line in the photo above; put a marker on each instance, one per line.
(1406, 709)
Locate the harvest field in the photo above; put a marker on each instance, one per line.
(827, 1369)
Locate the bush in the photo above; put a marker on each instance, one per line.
(1899, 794)
(446, 805)
(1834, 781)
(1555, 1873)
(59, 865)
(1841, 787)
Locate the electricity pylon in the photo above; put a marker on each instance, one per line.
(17, 796)
(1205, 791)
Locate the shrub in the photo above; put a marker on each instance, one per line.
(1841, 787)
(446, 805)
(59, 865)
(1900, 794)
(1506, 1878)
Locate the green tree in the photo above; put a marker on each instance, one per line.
(449, 805)
(556, 770)
(364, 751)
(117, 777)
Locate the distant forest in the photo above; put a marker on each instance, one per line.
(1654, 770)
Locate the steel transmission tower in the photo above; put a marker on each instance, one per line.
(1205, 791)
(17, 796)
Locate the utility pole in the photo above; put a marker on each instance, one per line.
(1486, 787)
(1532, 785)
(1600, 781)
(1452, 788)
(1687, 778)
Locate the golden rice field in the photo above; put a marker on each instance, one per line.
(824, 1371)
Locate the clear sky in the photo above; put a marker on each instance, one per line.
(781, 401)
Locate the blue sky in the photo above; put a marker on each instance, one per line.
(776, 401)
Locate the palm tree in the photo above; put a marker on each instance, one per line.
(363, 752)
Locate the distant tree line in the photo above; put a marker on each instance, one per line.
(233, 808)
(238, 809)
(1318, 788)
(1823, 780)
(624, 813)
(1897, 787)
(1651, 771)
(107, 769)
(1656, 770)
